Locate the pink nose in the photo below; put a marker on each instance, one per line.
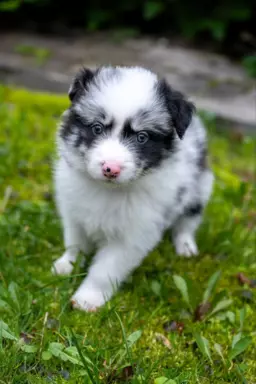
(111, 170)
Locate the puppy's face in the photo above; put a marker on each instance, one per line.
(122, 122)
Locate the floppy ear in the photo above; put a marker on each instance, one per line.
(180, 109)
(80, 83)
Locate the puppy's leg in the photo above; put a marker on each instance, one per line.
(111, 266)
(74, 242)
(185, 227)
(183, 232)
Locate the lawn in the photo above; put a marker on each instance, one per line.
(175, 321)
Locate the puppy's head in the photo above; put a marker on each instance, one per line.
(122, 122)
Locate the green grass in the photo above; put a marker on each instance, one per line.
(42, 340)
(40, 55)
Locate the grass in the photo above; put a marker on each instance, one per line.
(40, 55)
(174, 321)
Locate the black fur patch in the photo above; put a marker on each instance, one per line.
(154, 151)
(80, 83)
(194, 209)
(180, 109)
(77, 127)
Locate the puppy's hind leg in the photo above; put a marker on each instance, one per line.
(184, 229)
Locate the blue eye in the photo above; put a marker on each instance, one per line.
(97, 129)
(142, 137)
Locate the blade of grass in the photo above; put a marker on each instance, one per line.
(82, 357)
(218, 349)
(242, 318)
(60, 279)
(212, 282)
(183, 288)
(203, 345)
(223, 304)
(239, 347)
(124, 338)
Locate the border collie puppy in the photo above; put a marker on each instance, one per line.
(132, 164)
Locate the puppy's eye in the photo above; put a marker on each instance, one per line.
(97, 129)
(142, 137)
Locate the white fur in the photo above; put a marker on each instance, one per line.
(130, 88)
(123, 224)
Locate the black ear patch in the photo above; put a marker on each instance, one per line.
(80, 83)
(180, 109)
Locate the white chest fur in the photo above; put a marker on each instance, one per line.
(112, 212)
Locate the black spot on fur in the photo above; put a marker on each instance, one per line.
(194, 209)
(180, 109)
(80, 83)
(154, 151)
(180, 194)
(202, 157)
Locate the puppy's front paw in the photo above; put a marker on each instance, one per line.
(186, 246)
(88, 300)
(62, 266)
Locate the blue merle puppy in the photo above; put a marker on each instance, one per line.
(132, 164)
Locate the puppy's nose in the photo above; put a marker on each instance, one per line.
(111, 170)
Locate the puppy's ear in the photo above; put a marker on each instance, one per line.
(80, 83)
(180, 109)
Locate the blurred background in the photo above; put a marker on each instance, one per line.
(206, 49)
(226, 26)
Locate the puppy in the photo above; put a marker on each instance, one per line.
(132, 164)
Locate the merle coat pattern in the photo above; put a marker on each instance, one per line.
(132, 164)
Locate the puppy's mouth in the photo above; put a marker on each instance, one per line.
(118, 182)
(113, 184)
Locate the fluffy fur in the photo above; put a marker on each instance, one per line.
(132, 118)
